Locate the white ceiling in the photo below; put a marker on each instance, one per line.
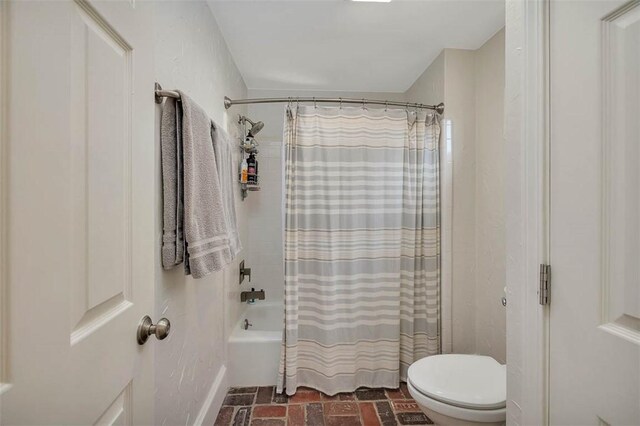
(345, 45)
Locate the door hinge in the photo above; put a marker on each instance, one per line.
(544, 292)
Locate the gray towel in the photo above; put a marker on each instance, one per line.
(206, 228)
(223, 149)
(171, 150)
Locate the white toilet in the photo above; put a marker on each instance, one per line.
(460, 389)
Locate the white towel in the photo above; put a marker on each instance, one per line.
(199, 217)
(170, 138)
(223, 149)
(206, 227)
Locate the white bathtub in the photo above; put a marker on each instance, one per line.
(254, 354)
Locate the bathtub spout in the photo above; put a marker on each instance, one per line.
(251, 296)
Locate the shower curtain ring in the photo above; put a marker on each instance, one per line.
(340, 103)
(363, 107)
(315, 105)
(386, 105)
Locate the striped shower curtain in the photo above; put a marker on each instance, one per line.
(362, 247)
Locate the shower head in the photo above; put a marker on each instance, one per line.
(255, 126)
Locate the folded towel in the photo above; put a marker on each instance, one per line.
(170, 138)
(206, 228)
(223, 149)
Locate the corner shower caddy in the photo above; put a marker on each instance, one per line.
(249, 145)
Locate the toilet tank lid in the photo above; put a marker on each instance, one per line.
(470, 381)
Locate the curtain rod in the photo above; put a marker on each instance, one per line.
(228, 103)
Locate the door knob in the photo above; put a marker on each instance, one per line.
(146, 328)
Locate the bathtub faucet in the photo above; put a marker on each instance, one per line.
(251, 296)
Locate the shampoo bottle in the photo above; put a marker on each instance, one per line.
(244, 171)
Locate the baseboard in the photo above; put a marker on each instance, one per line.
(211, 405)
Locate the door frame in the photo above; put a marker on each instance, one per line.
(4, 307)
(527, 118)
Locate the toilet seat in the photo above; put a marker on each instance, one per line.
(458, 414)
(473, 382)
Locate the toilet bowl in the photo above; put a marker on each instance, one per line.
(457, 389)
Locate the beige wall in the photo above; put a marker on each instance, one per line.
(429, 87)
(471, 84)
(460, 111)
(490, 209)
(191, 55)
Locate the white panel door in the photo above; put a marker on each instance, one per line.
(595, 213)
(80, 212)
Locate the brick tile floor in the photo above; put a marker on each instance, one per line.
(261, 406)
